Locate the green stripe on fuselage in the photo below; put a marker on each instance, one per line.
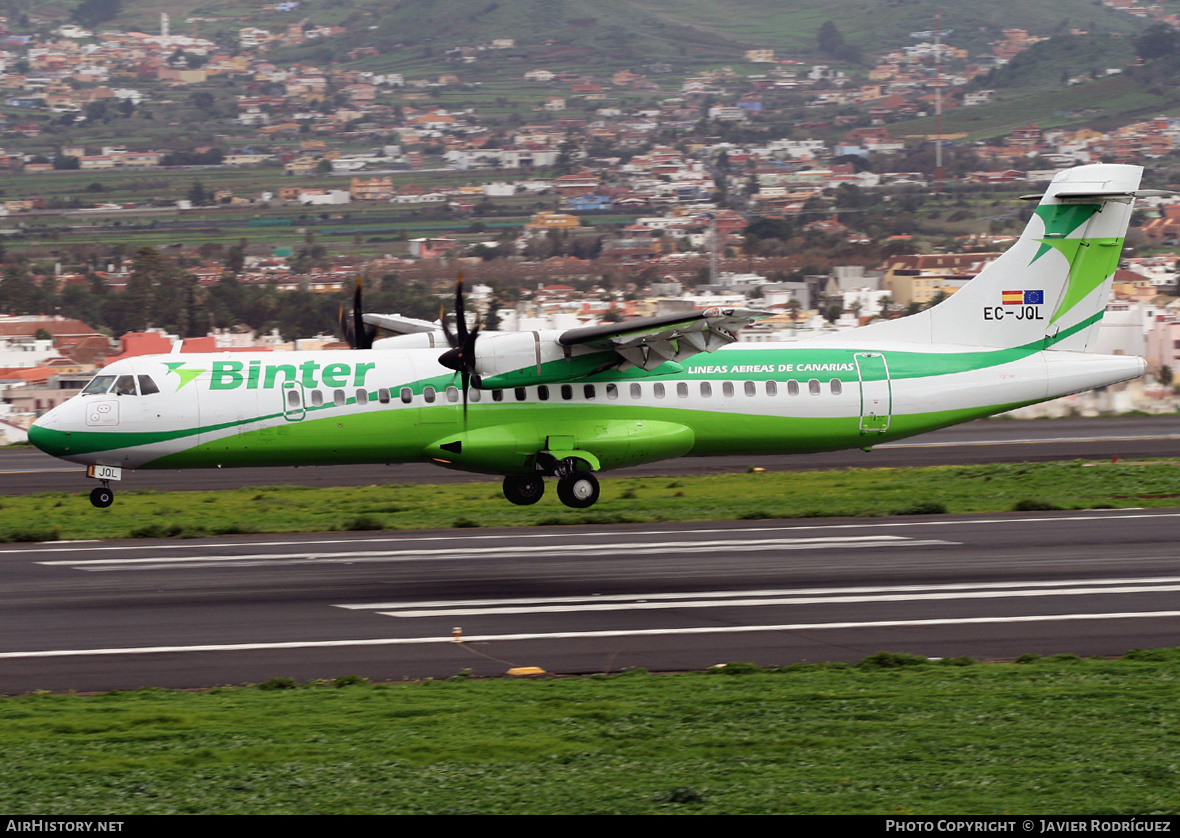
(395, 435)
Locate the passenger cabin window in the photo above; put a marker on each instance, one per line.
(293, 399)
(706, 389)
(497, 395)
(813, 386)
(520, 393)
(837, 386)
(453, 394)
(543, 393)
(636, 391)
(428, 395)
(792, 387)
(407, 395)
(567, 392)
(317, 398)
(612, 391)
(751, 388)
(658, 390)
(727, 389)
(383, 395)
(362, 396)
(772, 388)
(338, 398)
(682, 390)
(588, 391)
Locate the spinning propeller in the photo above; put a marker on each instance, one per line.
(355, 332)
(461, 356)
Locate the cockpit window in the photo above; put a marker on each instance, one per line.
(99, 384)
(125, 386)
(147, 386)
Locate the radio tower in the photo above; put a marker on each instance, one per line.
(937, 102)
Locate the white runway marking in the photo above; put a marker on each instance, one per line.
(467, 551)
(746, 599)
(574, 635)
(524, 535)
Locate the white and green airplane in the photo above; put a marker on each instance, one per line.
(568, 404)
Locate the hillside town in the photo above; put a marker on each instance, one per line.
(630, 194)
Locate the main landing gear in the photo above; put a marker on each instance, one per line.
(576, 489)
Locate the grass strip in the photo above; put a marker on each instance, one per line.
(846, 493)
(894, 734)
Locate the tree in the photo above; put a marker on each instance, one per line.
(1158, 41)
(139, 296)
(18, 292)
(199, 195)
(90, 13)
(235, 259)
(831, 42)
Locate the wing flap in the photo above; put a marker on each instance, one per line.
(651, 341)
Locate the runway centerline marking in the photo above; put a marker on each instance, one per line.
(951, 586)
(746, 599)
(575, 635)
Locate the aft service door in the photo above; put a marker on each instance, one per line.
(876, 394)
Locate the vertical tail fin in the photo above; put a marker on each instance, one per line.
(1049, 287)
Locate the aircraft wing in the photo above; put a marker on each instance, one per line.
(399, 325)
(651, 341)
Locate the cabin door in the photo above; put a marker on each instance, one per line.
(876, 392)
(294, 408)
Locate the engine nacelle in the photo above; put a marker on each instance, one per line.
(519, 359)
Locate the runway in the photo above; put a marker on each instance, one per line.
(987, 441)
(184, 614)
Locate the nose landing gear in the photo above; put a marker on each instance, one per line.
(102, 497)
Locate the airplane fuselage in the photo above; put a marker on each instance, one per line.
(256, 409)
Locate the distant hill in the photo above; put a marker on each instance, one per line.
(628, 31)
(419, 37)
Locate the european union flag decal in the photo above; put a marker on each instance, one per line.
(1034, 298)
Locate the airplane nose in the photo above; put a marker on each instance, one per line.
(51, 441)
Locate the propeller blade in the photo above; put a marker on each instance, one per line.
(346, 328)
(442, 320)
(364, 334)
(461, 356)
(460, 313)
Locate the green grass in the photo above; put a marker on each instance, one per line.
(852, 492)
(892, 735)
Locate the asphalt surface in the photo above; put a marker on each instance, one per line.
(107, 615)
